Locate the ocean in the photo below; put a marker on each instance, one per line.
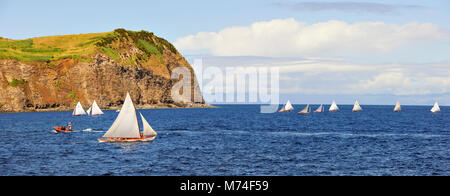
(233, 140)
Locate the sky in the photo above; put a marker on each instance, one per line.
(375, 51)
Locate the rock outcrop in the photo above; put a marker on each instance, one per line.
(122, 61)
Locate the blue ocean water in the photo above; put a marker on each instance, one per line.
(234, 140)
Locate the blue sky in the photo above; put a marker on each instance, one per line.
(398, 50)
(172, 19)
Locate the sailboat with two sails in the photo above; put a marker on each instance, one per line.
(334, 107)
(307, 110)
(94, 110)
(357, 107)
(287, 108)
(78, 111)
(126, 127)
(321, 109)
(436, 108)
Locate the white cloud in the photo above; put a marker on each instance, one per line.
(336, 76)
(291, 38)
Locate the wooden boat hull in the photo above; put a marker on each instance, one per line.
(304, 112)
(142, 139)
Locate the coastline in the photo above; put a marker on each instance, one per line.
(141, 107)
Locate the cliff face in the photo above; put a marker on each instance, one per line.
(51, 74)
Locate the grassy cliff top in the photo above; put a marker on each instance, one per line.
(82, 47)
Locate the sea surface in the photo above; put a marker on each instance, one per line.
(234, 140)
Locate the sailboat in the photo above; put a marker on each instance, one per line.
(287, 108)
(320, 109)
(126, 127)
(435, 108)
(398, 107)
(94, 110)
(334, 107)
(306, 110)
(357, 107)
(78, 111)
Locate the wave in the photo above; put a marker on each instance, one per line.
(358, 134)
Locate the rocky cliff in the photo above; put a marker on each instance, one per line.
(54, 73)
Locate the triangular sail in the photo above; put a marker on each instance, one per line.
(288, 107)
(398, 107)
(320, 109)
(357, 107)
(126, 124)
(436, 108)
(334, 107)
(306, 110)
(96, 111)
(89, 111)
(148, 130)
(79, 111)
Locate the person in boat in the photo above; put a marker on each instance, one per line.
(69, 127)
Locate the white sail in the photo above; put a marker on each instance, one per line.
(89, 111)
(435, 108)
(126, 124)
(288, 107)
(398, 107)
(334, 107)
(320, 109)
(305, 111)
(96, 111)
(79, 111)
(357, 107)
(148, 130)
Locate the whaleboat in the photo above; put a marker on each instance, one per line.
(126, 127)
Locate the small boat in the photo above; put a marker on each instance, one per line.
(321, 109)
(94, 110)
(398, 107)
(287, 108)
(357, 107)
(62, 129)
(126, 127)
(306, 110)
(436, 108)
(78, 111)
(334, 107)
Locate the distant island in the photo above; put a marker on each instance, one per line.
(54, 73)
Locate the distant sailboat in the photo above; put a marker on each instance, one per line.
(126, 127)
(287, 108)
(78, 111)
(435, 108)
(320, 109)
(306, 110)
(96, 111)
(357, 107)
(334, 107)
(398, 107)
